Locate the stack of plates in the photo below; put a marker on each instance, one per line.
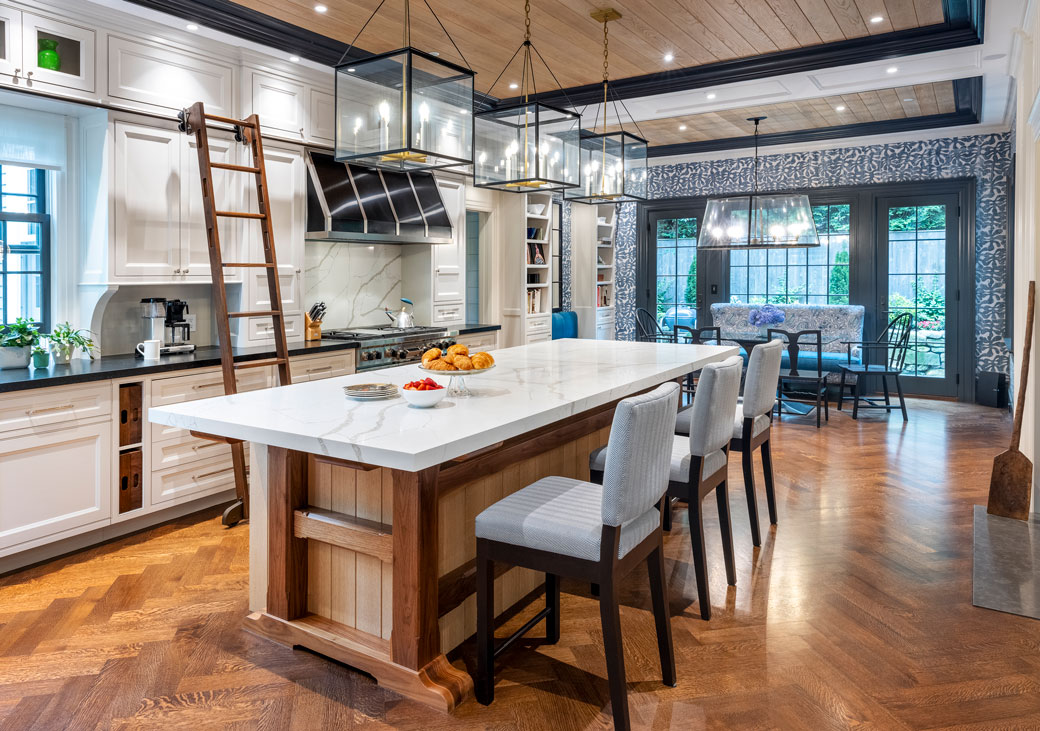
(370, 391)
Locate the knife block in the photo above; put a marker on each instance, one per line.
(312, 328)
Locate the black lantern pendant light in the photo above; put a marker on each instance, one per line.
(527, 146)
(404, 109)
(613, 164)
(769, 221)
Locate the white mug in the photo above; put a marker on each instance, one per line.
(149, 349)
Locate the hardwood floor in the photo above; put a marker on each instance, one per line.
(856, 611)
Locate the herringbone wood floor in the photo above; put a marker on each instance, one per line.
(855, 612)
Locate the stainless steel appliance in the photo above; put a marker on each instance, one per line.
(385, 345)
(178, 330)
(153, 312)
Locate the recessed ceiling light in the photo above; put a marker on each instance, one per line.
(669, 57)
(350, 71)
(682, 127)
(320, 8)
(891, 69)
(514, 85)
(876, 19)
(294, 59)
(908, 99)
(711, 95)
(435, 53)
(840, 108)
(192, 27)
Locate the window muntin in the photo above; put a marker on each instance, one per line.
(24, 239)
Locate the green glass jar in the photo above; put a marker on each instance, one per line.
(48, 57)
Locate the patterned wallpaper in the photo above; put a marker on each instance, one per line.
(987, 158)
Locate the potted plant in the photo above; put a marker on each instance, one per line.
(16, 340)
(65, 340)
(40, 357)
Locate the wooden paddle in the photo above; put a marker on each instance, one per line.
(1012, 481)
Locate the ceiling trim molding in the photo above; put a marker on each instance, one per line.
(967, 93)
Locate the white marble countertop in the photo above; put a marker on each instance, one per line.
(532, 387)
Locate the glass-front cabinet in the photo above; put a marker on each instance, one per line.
(37, 50)
(10, 43)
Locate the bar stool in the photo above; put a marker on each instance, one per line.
(594, 533)
(752, 426)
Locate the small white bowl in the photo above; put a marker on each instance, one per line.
(424, 399)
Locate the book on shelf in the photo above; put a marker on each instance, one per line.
(536, 301)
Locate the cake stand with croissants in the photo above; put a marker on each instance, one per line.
(457, 363)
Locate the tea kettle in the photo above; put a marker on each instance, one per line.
(404, 318)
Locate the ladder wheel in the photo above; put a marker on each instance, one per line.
(233, 514)
(239, 137)
(183, 125)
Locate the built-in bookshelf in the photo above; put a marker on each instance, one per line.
(528, 267)
(593, 286)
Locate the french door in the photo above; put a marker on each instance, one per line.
(918, 273)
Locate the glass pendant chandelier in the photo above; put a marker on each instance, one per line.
(613, 164)
(527, 146)
(404, 109)
(758, 221)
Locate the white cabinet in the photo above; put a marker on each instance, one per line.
(158, 225)
(318, 367)
(147, 192)
(322, 118)
(75, 49)
(280, 104)
(10, 44)
(161, 77)
(53, 482)
(449, 271)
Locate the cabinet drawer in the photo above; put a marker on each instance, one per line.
(53, 406)
(186, 448)
(261, 329)
(480, 341)
(54, 482)
(178, 389)
(447, 313)
(193, 479)
(604, 313)
(538, 323)
(539, 337)
(315, 368)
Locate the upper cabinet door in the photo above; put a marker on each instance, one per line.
(147, 201)
(322, 120)
(449, 274)
(68, 47)
(280, 103)
(10, 44)
(226, 196)
(160, 77)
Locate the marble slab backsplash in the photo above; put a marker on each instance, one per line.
(355, 281)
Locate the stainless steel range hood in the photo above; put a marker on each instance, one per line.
(356, 204)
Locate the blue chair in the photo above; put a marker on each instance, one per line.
(564, 325)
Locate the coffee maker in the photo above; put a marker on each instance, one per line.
(177, 328)
(153, 311)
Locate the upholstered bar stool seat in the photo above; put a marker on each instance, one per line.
(679, 468)
(761, 422)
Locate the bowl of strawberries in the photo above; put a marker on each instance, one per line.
(424, 393)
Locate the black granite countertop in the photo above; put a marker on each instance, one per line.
(108, 367)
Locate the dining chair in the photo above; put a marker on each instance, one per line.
(708, 335)
(893, 344)
(799, 386)
(699, 465)
(597, 533)
(648, 330)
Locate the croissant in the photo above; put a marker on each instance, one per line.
(463, 362)
(458, 348)
(438, 365)
(448, 358)
(482, 360)
(431, 354)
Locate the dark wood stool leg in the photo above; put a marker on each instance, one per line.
(552, 603)
(659, 595)
(609, 613)
(596, 477)
(749, 487)
(484, 685)
(726, 526)
(700, 563)
(884, 385)
(902, 399)
(666, 516)
(767, 470)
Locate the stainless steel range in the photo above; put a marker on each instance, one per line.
(385, 345)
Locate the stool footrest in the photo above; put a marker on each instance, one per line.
(508, 641)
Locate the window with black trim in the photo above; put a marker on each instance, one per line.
(24, 245)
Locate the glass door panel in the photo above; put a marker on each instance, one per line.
(918, 260)
(676, 297)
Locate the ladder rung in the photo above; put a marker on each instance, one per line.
(260, 363)
(236, 168)
(263, 313)
(239, 214)
(229, 120)
(252, 264)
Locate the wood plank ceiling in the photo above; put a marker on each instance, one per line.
(696, 32)
(901, 102)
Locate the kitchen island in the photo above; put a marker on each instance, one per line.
(361, 531)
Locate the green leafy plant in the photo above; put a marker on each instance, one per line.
(21, 333)
(39, 350)
(68, 339)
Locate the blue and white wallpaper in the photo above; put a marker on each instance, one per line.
(987, 158)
